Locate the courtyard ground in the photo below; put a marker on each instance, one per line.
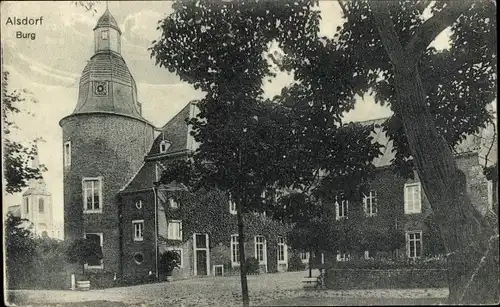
(278, 289)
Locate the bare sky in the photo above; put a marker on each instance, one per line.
(50, 66)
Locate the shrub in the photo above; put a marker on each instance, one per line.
(169, 260)
(253, 266)
(295, 263)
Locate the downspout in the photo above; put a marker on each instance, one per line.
(156, 232)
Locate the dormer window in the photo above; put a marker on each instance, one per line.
(164, 145)
(104, 34)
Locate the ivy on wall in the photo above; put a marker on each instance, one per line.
(207, 211)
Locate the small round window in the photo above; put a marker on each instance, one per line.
(138, 204)
(138, 258)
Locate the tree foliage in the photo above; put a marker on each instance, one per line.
(20, 249)
(83, 251)
(17, 156)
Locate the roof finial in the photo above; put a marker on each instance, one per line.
(106, 5)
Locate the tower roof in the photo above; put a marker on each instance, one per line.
(107, 20)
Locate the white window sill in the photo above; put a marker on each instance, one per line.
(138, 239)
(235, 264)
(282, 262)
(233, 212)
(92, 211)
(413, 212)
(174, 239)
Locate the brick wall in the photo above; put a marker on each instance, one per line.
(109, 146)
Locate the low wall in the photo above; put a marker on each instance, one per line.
(340, 279)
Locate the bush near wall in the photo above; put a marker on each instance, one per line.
(387, 274)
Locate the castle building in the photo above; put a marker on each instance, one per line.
(113, 160)
(37, 207)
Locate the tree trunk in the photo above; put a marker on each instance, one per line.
(464, 231)
(471, 244)
(241, 246)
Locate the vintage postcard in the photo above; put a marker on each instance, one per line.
(249, 152)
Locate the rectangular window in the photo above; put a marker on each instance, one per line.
(138, 230)
(27, 205)
(367, 255)
(67, 154)
(304, 256)
(235, 250)
(260, 249)
(232, 205)
(343, 256)
(97, 238)
(174, 230)
(92, 195)
(413, 202)
(104, 34)
(41, 205)
(370, 203)
(414, 244)
(282, 250)
(341, 208)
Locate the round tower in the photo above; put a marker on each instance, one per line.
(105, 140)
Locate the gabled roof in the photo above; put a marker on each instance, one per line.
(176, 131)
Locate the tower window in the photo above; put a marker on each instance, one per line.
(138, 230)
(92, 195)
(41, 205)
(27, 205)
(105, 34)
(67, 153)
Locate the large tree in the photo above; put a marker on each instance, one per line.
(438, 98)
(18, 170)
(250, 145)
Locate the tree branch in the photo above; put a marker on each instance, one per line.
(431, 28)
(387, 32)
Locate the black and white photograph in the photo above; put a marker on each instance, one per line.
(249, 153)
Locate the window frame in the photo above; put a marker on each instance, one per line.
(41, 202)
(343, 256)
(282, 245)
(140, 224)
(370, 203)
(179, 222)
(101, 236)
(84, 194)
(235, 250)
(105, 34)
(409, 242)
(27, 205)
(344, 204)
(413, 209)
(232, 205)
(264, 249)
(67, 155)
(171, 203)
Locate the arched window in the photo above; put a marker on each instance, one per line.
(41, 205)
